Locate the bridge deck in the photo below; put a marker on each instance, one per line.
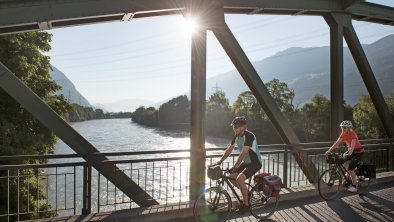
(296, 204)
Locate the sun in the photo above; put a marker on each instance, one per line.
(189, 25)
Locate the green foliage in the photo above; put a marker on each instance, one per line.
(282, 95)
(146, 116)
(311, 122)
(367, 121)
(175, 113)
(218, 115)
(20, 133)
(316, 119)
(80, 113)
(119, 115)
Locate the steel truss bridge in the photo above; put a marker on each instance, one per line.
(30, 15)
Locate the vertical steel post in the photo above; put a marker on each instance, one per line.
(391, 147)
(197, 114)
(87, 190)
(369, 78)
(285, 166)
(335, 21)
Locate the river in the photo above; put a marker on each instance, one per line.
(64, 184)
(119, 135)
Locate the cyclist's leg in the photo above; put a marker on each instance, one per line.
(248, 172)
(239, 170)
(234, 179)
(242, 186)
(352, 164)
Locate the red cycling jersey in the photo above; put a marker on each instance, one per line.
(348, 140)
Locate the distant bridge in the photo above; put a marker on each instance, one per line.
(20, 16)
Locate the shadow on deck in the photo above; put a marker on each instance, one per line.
(296, 204)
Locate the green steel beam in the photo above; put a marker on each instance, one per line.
(371, 12)
(198, 93)
(259, 90)
(19, 16)
(335, 21)
(49, 118)
(369, 78)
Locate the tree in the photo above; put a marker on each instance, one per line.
(247, 105)
(20, 133)
(218, 114)
(282, 95)
(366, 120)
(145, 116)
(316, 119)
(175, 113)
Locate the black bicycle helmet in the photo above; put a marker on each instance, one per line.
(238, 121)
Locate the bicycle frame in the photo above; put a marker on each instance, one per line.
(342, 170)
(226, 179)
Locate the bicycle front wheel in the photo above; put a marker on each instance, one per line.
(212, 205)
(363, 184)
(330, 183)
(261, 205)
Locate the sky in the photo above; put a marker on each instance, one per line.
(149, 59)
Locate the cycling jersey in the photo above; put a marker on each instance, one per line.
(248, 139)
(348, 140)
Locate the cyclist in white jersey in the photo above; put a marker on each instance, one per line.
(249, 159)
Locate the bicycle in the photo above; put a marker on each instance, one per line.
(215, 203)
(330, 181)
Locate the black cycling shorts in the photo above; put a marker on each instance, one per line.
(353, 160)
(249, 169)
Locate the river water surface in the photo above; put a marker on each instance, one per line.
(165, 181)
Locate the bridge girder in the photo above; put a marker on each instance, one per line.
(20, 16)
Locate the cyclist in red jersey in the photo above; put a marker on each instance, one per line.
(354, 153)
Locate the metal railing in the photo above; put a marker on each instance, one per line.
(70, 186)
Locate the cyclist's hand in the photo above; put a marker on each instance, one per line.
(216, 164)
(345, 155)
(328, 152)
(232, 170)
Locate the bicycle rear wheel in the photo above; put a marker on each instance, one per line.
(261, 205)
(330, 183)
(212, 205)
(363, 184)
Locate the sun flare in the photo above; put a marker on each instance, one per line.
(189, 25)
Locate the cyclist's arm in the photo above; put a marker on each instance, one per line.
(227, 153)
(352, 145)
(244, 151)
(335, 145)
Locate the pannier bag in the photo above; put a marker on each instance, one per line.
(368, 171)
(275, 183)
(270, 185)
(259, 177)
(214, 172)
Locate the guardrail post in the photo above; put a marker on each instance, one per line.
(391, 147)
(87, 190)
(285, 167)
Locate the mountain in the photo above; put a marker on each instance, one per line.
(307, 71)
(68, 89)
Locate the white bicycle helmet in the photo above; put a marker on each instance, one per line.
(346, 123)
